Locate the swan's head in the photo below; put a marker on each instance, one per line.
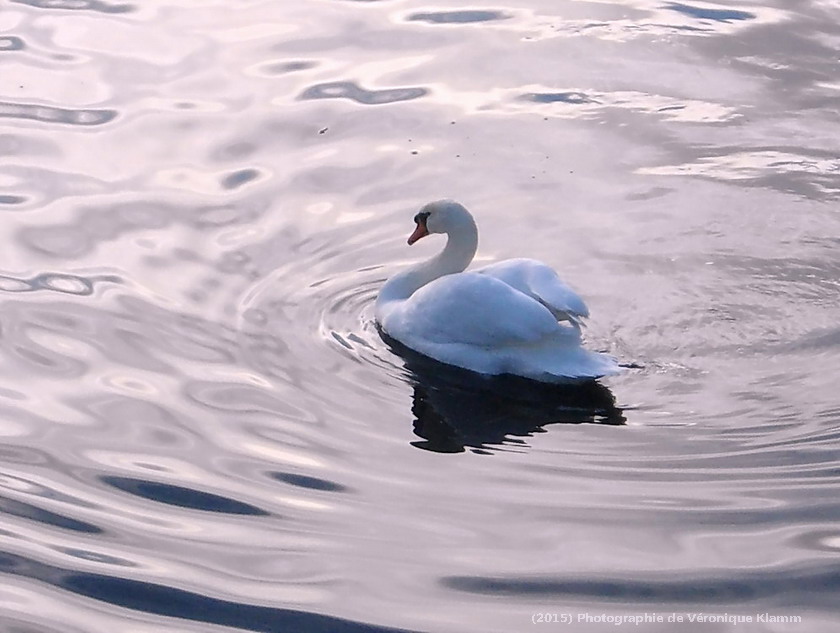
(441, 216)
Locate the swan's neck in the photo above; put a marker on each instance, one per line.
(459, 251)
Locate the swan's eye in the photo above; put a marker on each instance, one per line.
(421, 217)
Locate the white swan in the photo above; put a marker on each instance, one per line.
(501, 319)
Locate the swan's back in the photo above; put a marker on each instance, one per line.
(542, 283)
(480, 323)
(471, 309)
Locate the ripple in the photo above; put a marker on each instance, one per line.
(235, 150)
(99, 224)
(705, 13)
(554, 97)
(11, 43)
(591, 104)
(181, 497)
(815, 585)
(242, 398)
(277, 68)
(78, 5)
(52, 114)
(652, 20)
(312, 483)
(64, 283)
(34, 513)
(23, 145)
(236, 179)
(469, 16)
(96, 557)
(352, 91)
(800, 172)
(232, 367)
(172, 602)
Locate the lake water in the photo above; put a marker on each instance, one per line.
(201, 427)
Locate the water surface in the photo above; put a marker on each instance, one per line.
(201, 425)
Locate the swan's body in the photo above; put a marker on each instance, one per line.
(501, 319)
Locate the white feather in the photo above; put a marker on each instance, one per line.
(500, 319)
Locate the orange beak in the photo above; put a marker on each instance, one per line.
(420, 231)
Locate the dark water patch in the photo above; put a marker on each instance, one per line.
(182, 497)
(11, 43)
(171, 602)
(34, 513)
(282, 68)
(79, 5)
(64, 283)
(818, 584)
(557, 97)
(187, 605)
(458, 17)
(12, 199)
(304, 481)
(51, 114)
(352, 91)
(240, 177)
(704, 13)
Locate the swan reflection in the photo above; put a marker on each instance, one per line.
(455, 409)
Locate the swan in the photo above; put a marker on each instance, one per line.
(513, 317)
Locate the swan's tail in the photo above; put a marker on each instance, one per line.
(557, 363)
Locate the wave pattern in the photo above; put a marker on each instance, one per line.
(201, 424)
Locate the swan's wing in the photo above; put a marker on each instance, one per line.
(541, 283)
(471, 309)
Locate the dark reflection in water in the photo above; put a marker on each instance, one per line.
(555, 97)
(34, 513)
(177, 603)
(78, 5)
(51, 114)
(281, 68)
(351, 90)
(11, 43)
(305, 481)
(705, 13)
(455, 409)
(816, 585)
(64, 283)
(240, 177)
(182, 497)
(458, 17)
